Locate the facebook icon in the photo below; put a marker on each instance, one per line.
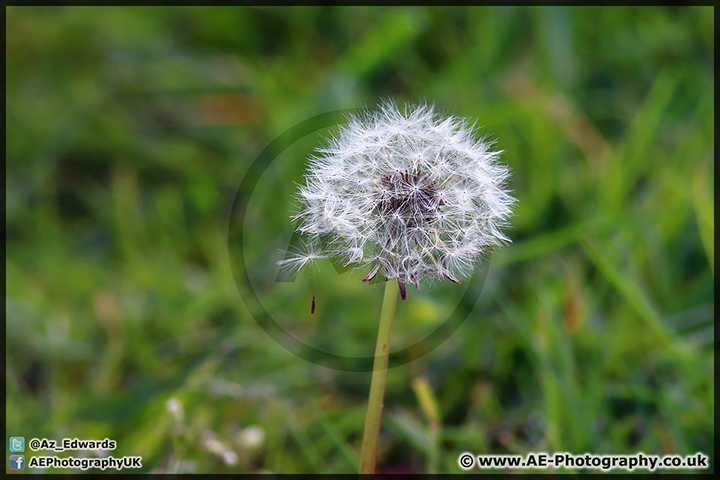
(17, 462)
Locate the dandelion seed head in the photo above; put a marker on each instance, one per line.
(414, 193)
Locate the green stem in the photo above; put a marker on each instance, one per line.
(368, 455)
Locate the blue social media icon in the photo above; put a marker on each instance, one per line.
(17, 444)
(17, 462)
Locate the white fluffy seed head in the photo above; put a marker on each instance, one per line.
(411, 192)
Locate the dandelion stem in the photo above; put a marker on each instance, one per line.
(368, 456)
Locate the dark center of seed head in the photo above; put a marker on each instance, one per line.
(410, 197)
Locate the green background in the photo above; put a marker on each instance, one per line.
(129, 131)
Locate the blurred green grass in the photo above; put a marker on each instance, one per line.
(129, 130)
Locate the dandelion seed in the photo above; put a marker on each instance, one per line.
(212, 444)
(252, 437)
(409, 192)
(175, 408)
